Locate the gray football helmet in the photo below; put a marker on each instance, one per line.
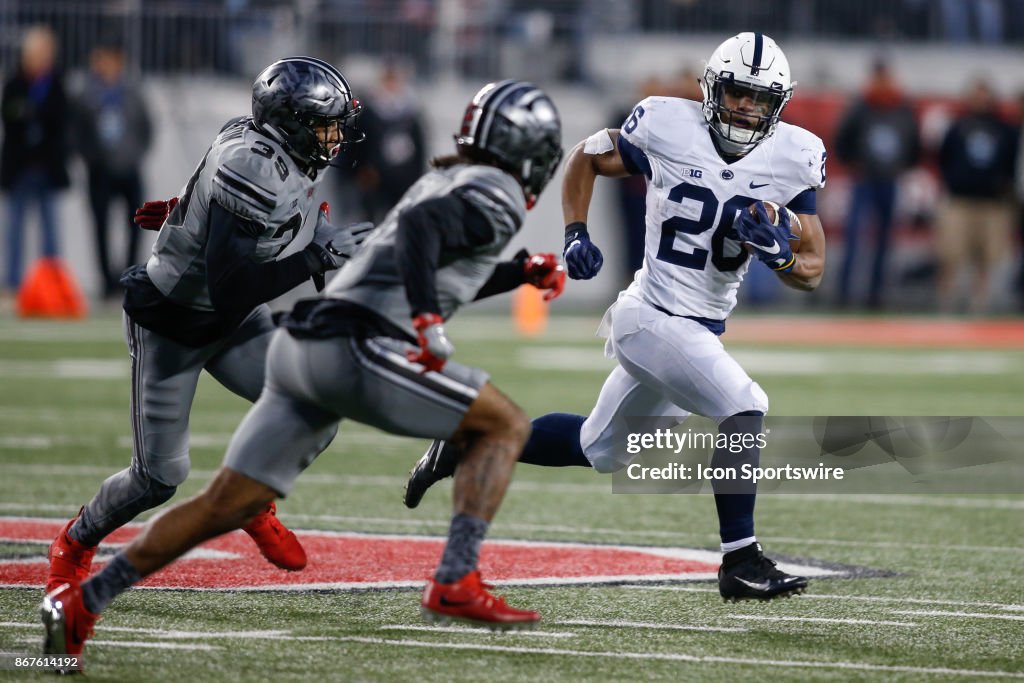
(515, 126)
(294, 96)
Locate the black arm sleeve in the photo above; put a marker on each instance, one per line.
(236, 281)
(425, 232)
(507, 276)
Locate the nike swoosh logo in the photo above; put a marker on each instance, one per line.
(754, 186)
(756, 586)
(774, 249)
(461, 603)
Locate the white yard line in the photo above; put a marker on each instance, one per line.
(898, 544)
(680, 657)
(617, 623)
(66, 368)
(856, 598)
(169, 634)
(963, 615)
(469, 630)
(137, 643)
(821, 620)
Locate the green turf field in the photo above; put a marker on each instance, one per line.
(946, 603)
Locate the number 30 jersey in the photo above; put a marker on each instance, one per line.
(691, 266)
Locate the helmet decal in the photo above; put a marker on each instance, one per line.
(515, 126)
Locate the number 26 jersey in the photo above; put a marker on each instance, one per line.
(692, 267)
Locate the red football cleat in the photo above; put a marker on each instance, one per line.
(70, 561)
(68, 625)
(468, 601)
(279, 545)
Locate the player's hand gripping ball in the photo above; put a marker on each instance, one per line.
(767, 235)
(772, 209)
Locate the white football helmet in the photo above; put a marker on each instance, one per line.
(748, 65)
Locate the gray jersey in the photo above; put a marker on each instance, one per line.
(249, 174)
(372, 279)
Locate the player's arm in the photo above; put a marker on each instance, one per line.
(425, 232)
(809, 264)
(583, 168)
(543, 271)
(598, 155)
(235, 279)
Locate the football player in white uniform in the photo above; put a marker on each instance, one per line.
(706, 165)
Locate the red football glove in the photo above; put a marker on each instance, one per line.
(151, 215)
(435, 349)
(543, 271)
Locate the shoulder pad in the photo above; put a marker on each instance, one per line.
(495, 194)
(805, 153)
(247, 179)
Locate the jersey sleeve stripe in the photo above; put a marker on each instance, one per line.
(633, 158)
(269, 194)
(806, 202)
(246, 190)
(243, 198)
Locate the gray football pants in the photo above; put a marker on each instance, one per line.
(314, 383)
(164, 378)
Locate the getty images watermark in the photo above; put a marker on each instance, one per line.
(873, 454)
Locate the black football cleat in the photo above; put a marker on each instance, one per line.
(746, 574)
(437, 463)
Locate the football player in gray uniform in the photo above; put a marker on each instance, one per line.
(199, 302)
(374, 350)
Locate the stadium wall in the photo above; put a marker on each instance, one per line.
(188, 111)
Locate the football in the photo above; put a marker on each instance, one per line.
(773, 215)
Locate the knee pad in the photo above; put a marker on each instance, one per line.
(152, 491)
(759, 403)
(605, 461)
(170, 471)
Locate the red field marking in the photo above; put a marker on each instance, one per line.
(877, 332)
(340, 560)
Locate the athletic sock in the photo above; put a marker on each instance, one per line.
(462, 551)
(555, 442)
(118, 576)
(736, 545)
(735, 499)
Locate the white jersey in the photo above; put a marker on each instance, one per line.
(690, 267)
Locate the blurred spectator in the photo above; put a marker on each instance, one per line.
(112, 130)
(394, 153)
(878, 137)
(32, 159)
(975, 224)
(985, 17)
